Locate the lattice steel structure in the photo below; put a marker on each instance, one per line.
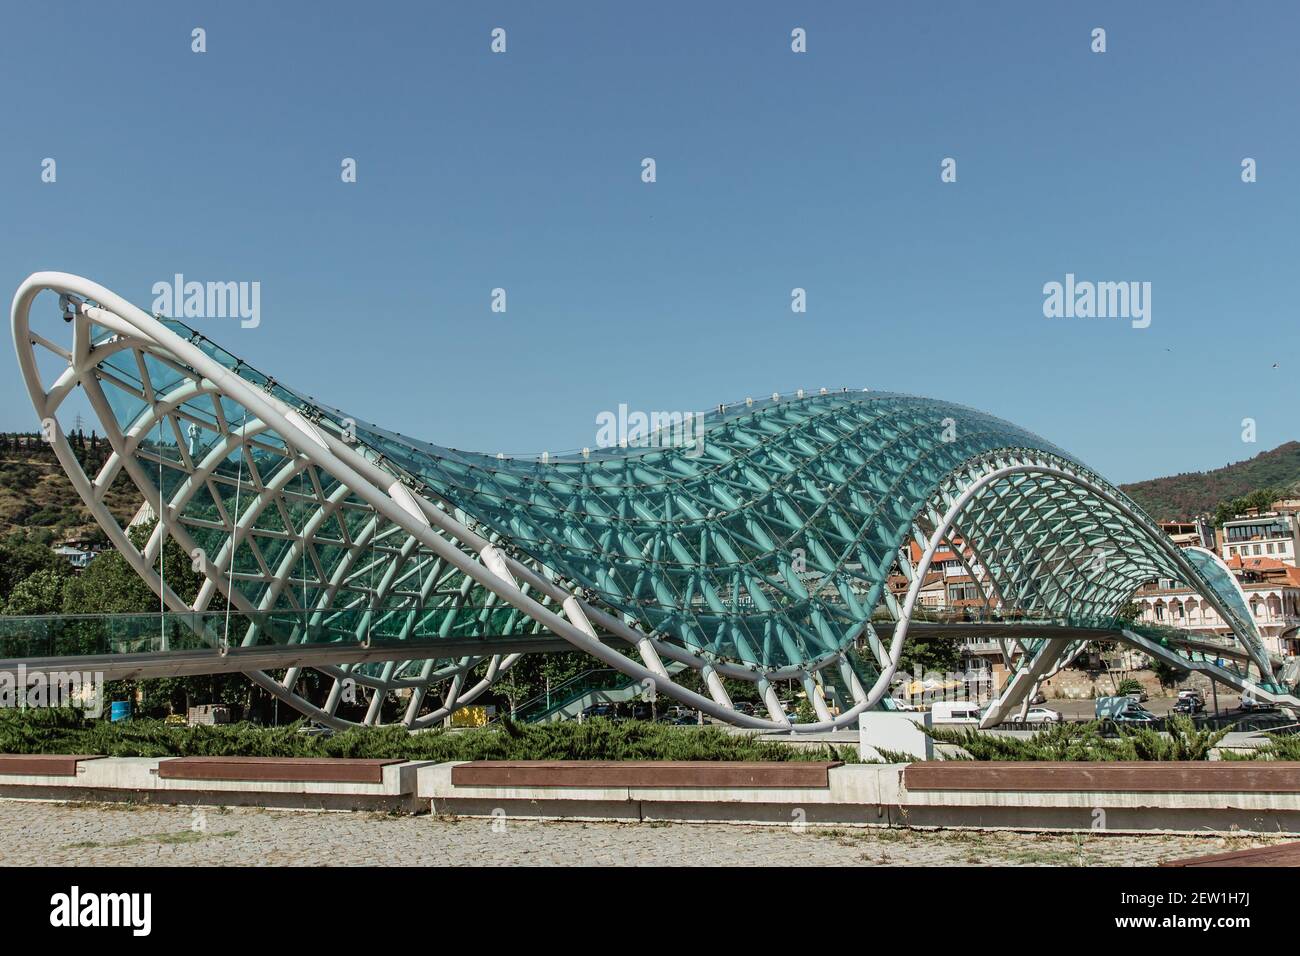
(760, 553)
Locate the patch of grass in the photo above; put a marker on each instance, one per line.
(148, 839)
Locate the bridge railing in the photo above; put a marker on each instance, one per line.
(73, 635)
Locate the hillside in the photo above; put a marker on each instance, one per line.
(1182, 496)
(37, 498)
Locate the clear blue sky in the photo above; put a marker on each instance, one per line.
(775, 170)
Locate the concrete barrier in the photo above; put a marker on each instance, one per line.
(275, 769)
(924, 795)
(48, 765)
(879, 795)
(139, 780)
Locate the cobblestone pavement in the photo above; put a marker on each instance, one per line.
(124, 835)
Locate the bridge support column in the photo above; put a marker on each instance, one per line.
(716, 688)
(1024, 679)
(815, 698)
(774, 708)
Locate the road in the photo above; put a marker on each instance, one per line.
(1160, 706)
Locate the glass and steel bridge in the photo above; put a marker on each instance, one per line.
(758, 549)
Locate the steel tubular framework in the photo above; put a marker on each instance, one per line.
(760, 553)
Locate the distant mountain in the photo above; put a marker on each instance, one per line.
(1183, 496)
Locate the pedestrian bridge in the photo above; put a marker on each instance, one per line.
(756, 545)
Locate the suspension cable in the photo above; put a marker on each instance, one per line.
(234, 530)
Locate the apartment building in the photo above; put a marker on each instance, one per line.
(1268, 534)
(1272, 590)
(1197, 533)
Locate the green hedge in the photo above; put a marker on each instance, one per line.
(1083, 742)
(65, 732)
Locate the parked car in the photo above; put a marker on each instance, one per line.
(1042, 715)
(1190, 692)
(676, 714)
(677, 720)
(1138, 696)
(1249, 704)
(316, 730)
(643, 710)
(1039, 698)
(1122, 710)
(1189, 705)
(606, 710)
(743, 707)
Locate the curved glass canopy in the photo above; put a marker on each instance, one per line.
(764, 534)
(760, 536)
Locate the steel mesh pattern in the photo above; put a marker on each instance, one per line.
(760, 550)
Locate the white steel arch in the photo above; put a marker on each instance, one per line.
(394, 527)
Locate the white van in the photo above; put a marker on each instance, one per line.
(955, 712)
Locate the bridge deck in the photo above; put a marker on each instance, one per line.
(206, 659)
(209, 660)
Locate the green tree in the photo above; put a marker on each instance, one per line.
(39, 593)
(110, 585)
(1168, 674)
(531, 676)
(929, 654)
(1130, 685)
(1129, 613)
(20, 558)
(1258, 500)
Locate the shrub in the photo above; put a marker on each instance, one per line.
(1084, 742)
(1279, 747)
(62, 731)
(1181, 740)
(1058, 742)
(1129, 685)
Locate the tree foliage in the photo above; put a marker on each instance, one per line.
(1270, 474)
(930, 654)
(41, 592)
